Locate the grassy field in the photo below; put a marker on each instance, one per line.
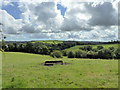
(75, 48)
(50, 41)
(22, 70)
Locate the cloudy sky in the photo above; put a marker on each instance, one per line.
(59, 20)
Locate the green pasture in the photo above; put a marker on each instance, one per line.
(50, 41)
(75, 48)
(23, 70)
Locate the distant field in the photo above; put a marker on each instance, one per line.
(22, 70)
(75, 48)
(50, 41)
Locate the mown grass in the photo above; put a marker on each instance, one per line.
(22, 70)
(75, 48)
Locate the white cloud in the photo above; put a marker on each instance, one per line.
(10, 24)
(82, 21)
(6, 2)
(43, 15)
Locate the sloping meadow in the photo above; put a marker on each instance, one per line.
(22, 70)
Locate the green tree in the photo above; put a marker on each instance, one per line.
(84, 54)
(92, 54)
(117, 53)
(64, 53)
(29, 47)
(56, 54)
(112, 49)
(71, 54)
(105, 54)
(78, 54)
(86, 48)
(100, 47)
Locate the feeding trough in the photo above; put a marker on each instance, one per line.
(51, 63)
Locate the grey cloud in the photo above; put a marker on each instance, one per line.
(74, 24)
(10, 30)
(102, 15)
(28, 29)
(39, 36)
(45, 11)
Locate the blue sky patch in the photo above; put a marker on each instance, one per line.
(13, 10)
(62, 9)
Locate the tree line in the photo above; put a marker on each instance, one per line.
(89, 52)
(57, 50)
(36, 47)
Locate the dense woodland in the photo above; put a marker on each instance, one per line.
(58, 50)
